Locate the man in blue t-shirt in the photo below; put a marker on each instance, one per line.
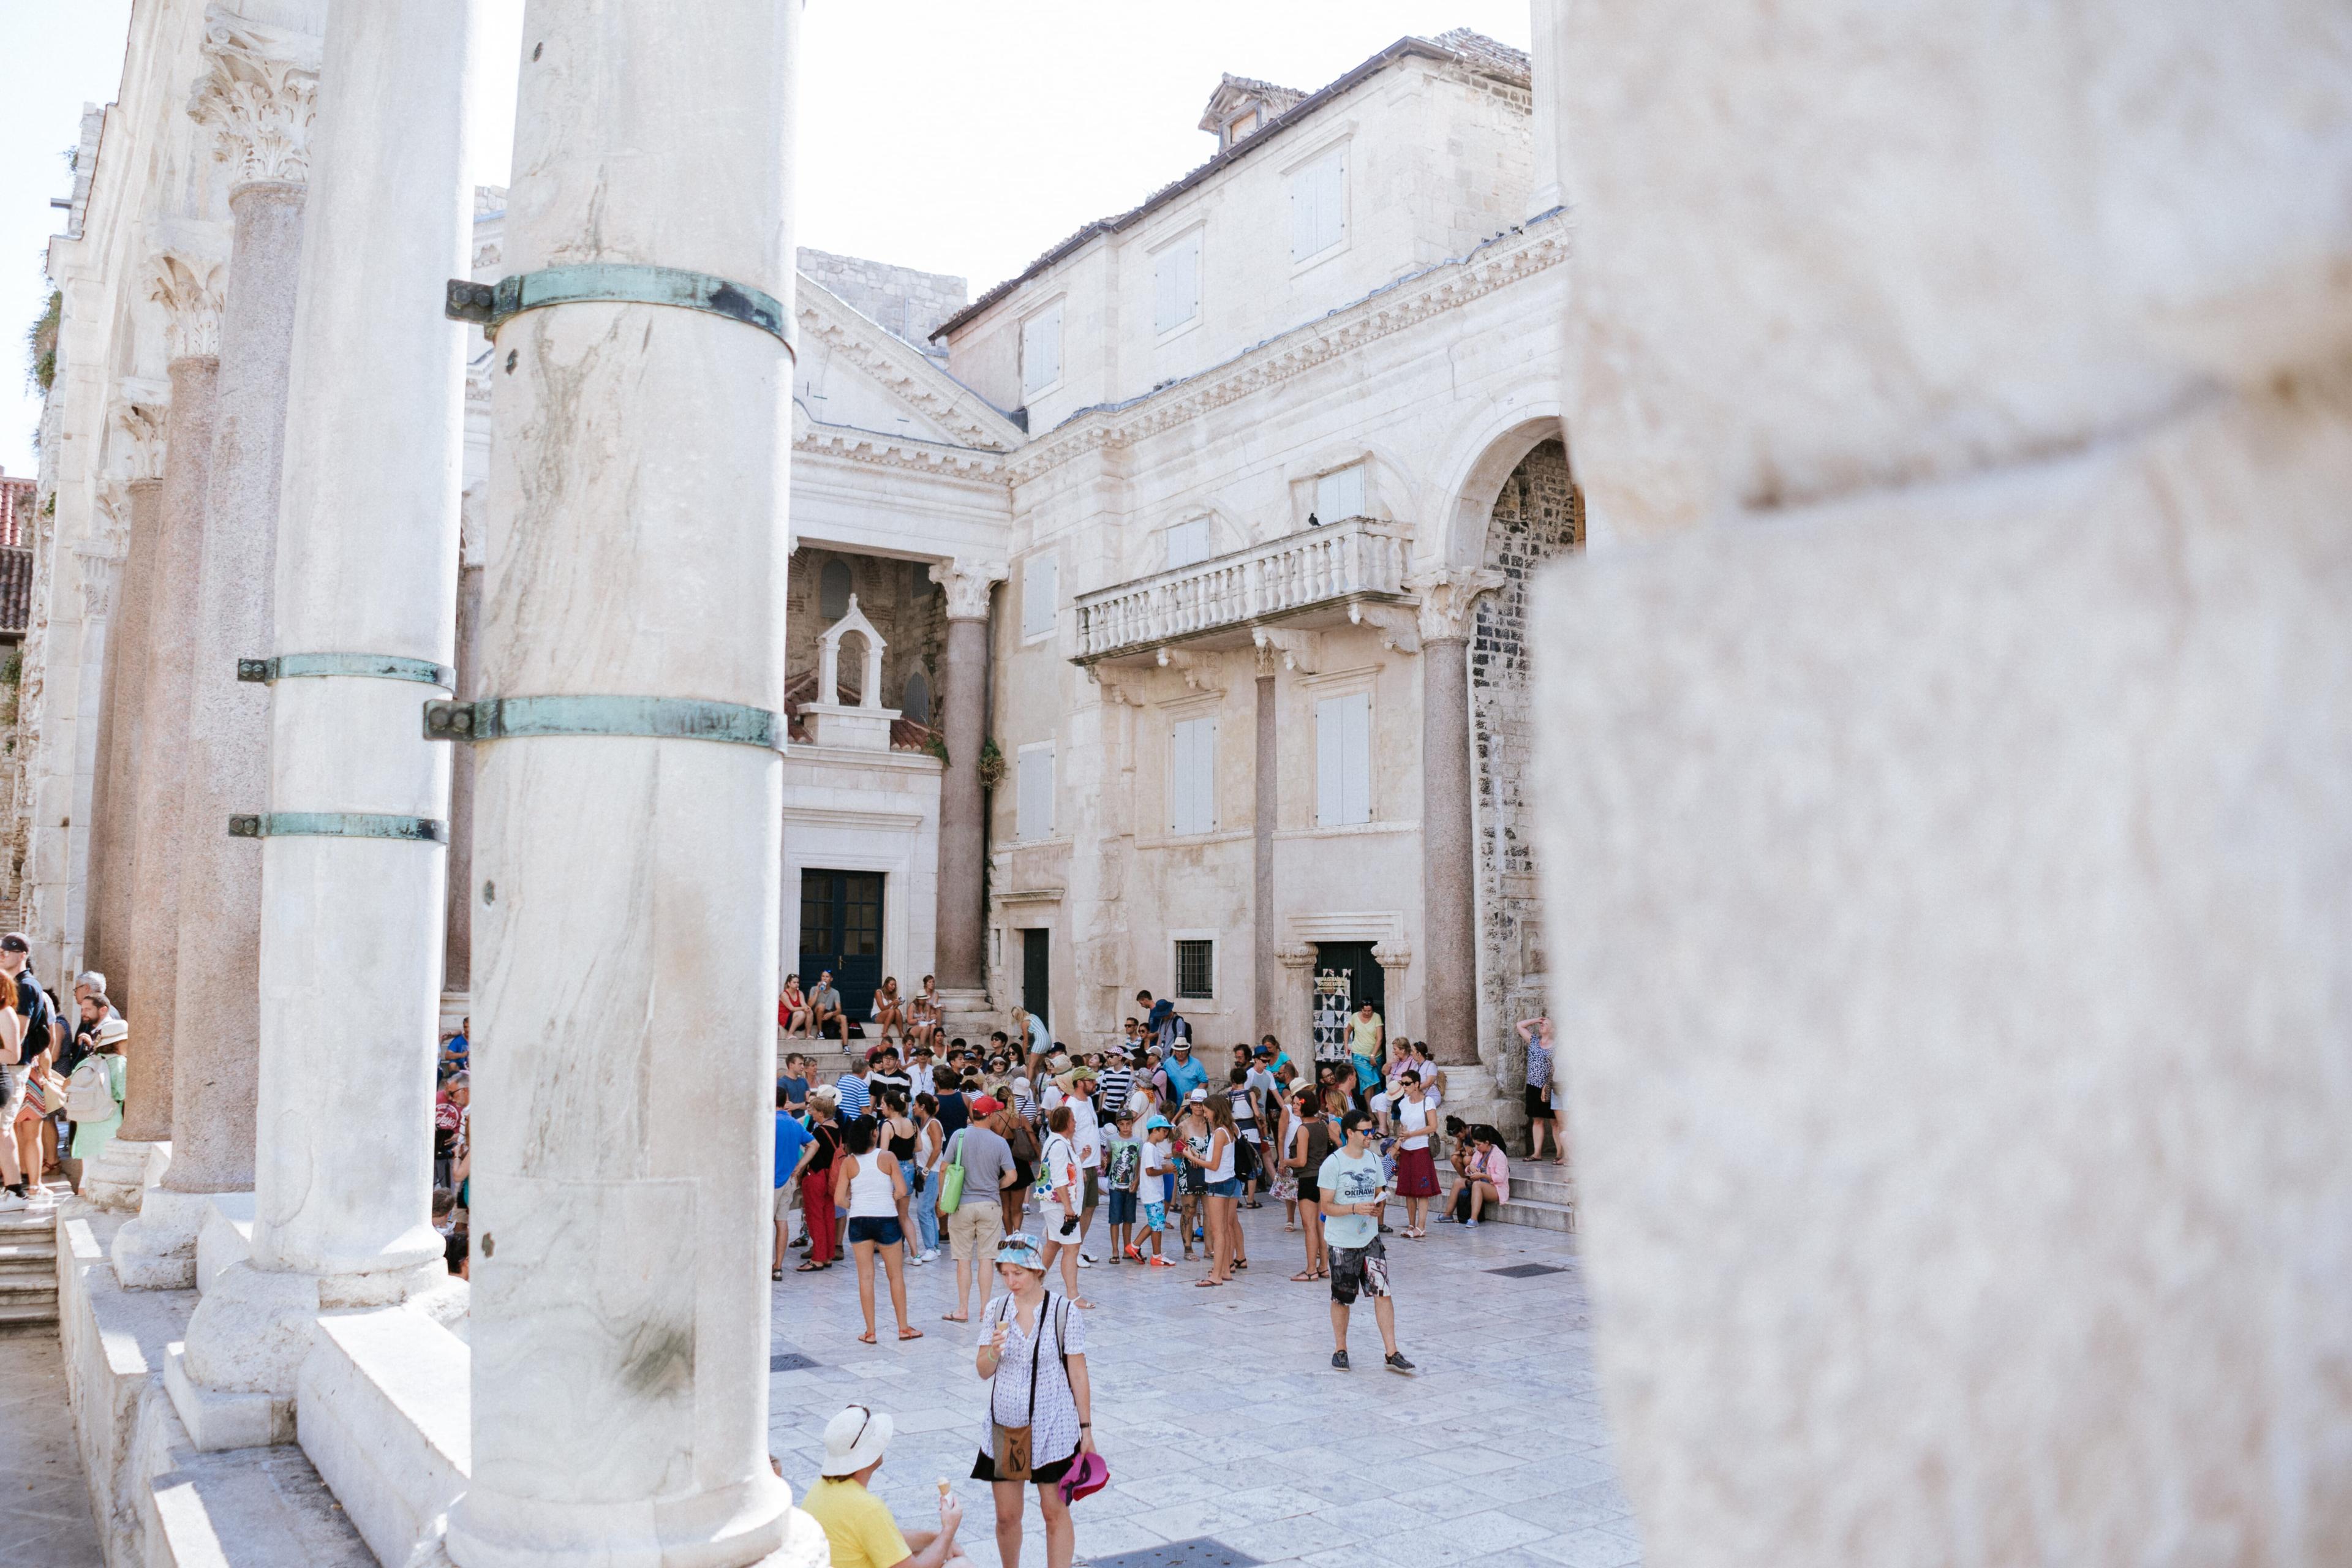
(793, 1146)
(1355, 1182)
(1184, 1074)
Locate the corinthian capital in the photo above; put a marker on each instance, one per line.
(189, 287)
(260, 91)
(967, 584)
(136, 441)
(1449, 600)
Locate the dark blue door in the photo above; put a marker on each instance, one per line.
(841, 929)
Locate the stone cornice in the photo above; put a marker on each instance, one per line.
(261, 89)
(896, 452)
(901, 369)
(1411, 300)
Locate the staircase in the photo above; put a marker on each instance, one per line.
(29, 1272)
(1542, 1195)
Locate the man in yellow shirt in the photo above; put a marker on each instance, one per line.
(857, 1524)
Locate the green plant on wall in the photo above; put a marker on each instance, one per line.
(41, 344)
(991, 764)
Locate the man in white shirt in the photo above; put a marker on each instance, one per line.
(1086, 1132)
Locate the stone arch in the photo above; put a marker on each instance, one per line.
(1486, 451)
(1536, 515)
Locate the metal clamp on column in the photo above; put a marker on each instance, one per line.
(371, 666)
(651, 717)
(629, 283)
(338, 824)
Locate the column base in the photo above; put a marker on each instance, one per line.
(241, 1364)
(123, 1170)
(157, 1251)
(968, 1013)
(527, 1533)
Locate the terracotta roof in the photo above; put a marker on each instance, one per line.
(906, 734)
(1461, 46)
(16, 590)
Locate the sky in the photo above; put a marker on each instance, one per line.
(959, 136)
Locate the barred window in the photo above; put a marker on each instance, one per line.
(1196, 971)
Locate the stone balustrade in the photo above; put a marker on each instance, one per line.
(1319, 568)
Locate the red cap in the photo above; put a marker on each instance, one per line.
(986, 1105)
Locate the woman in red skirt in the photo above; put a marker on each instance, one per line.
(816, 1182)
(1416, 1166)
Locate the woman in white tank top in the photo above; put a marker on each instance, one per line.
(868, 1185)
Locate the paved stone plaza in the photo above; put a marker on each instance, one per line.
(1221, 1417)
(45, 1500)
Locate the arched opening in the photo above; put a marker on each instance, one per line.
(832, 587)
(915, 702)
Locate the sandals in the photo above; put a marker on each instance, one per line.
(1305, 1277)
(777, 1272)
(866, 1338)
(911, 1334)
(955, 1317)
(1206, 1284)
(809, 1266)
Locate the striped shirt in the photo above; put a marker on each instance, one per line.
(857, 1100)
(1116, 1085)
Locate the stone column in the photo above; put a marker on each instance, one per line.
(620, 1291)
(457, 943)
(349, 964)
(102, 569)
(189, 287)
(260, 94)
(1449, 986)
(114, 811)
(1262, 915)
(962, 922)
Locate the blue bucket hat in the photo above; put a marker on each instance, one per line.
(1021, 1249)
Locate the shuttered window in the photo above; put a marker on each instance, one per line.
(1188, 541)
(1034, 805)
(1340, 494)
(1318, 206)
(1176, 284)
(1192, 777)
(1041, 587)
(1343, 760)
(1040, 350)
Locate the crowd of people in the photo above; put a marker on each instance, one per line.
(62, 1079)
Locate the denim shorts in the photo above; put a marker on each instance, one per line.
(1122, 1207)
(880, 1229)
(1230, 1187)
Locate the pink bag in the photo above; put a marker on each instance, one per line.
(1088, 1475)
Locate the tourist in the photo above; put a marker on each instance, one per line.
(1281, 1177)
(1155, 1018)
(897, 1133)
(93, 1098)
(1242, 1103)
(857, 1525)
(1364, 1045)
(1114, 1084)
(868, 1183)
(1416, 1164)
(44, 1094)
(887, 1012)
(924, 1014)
(1465, 1155)
(1352, 1181)
(457, 1050)
(448, 1111)
(1030, 1034)
(1310, 1144)
(1193, 1136)
(976, 1222)
(1033, 1352)
(890, 1074)
(1489, 1177)
(1061, 1187)
(14, 1067)
(1543, 1091)
(930, 1141)
(1122, 1175)
(794, 1148)
(1157, 1183)
(1020, 1137)
(1222, 1189)
(954, 1100)
(855, 1089)
(793, 1014)
(1184, 1074)
(1085, 1131)
(816, 1181)
(1155, 1077)
(794, 1084)
(825, 1008)
(922, 1072)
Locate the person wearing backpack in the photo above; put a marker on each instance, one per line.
(94, 1094)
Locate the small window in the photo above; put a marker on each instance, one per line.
(1041, 587)
(915, 703)
(1176, 284)
(1033, 807)
(1340, 494)
(918, 583)
(1196, 970)
(1318, 200)
(1192, 777)
(1188, 541)
(1040, 350)
(833, 590)
(1241, 126)
(1343, 760)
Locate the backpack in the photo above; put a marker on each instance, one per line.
(40, 1015)
(89, 1093)
(1245, 1160)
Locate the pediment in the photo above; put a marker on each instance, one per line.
(855, 375)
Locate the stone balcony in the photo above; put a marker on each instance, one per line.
(1318, 577)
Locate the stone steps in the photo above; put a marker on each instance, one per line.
(29, 1272)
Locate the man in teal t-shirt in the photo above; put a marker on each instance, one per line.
(1354, 1182)
(1184, 1074)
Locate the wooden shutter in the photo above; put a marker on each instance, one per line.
(1041, 587)
(1035, 803)
(1343, 760)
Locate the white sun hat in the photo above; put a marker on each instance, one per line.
(854, 1439)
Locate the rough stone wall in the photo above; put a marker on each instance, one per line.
(913, 633)
(1536, 518)
(908, 303)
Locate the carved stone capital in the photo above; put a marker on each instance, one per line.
(188, 287)
(967, 584)
(260, 92)
(136, 441)
(1395, 961)
(1295, 957)
(1449, 600)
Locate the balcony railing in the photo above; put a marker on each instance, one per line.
(1281, 579)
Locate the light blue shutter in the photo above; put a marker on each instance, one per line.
(1329, 747)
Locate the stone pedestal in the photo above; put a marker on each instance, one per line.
(620, 1414)
(119, 1178)
(960, 949)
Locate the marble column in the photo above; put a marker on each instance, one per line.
(189, 289)
(350, 962)
(1264, 962)
(962, 920)
(620, 1302)
(1449, 986)
(259, 95)
(457, 943)
(114, 811)
(99, 565)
